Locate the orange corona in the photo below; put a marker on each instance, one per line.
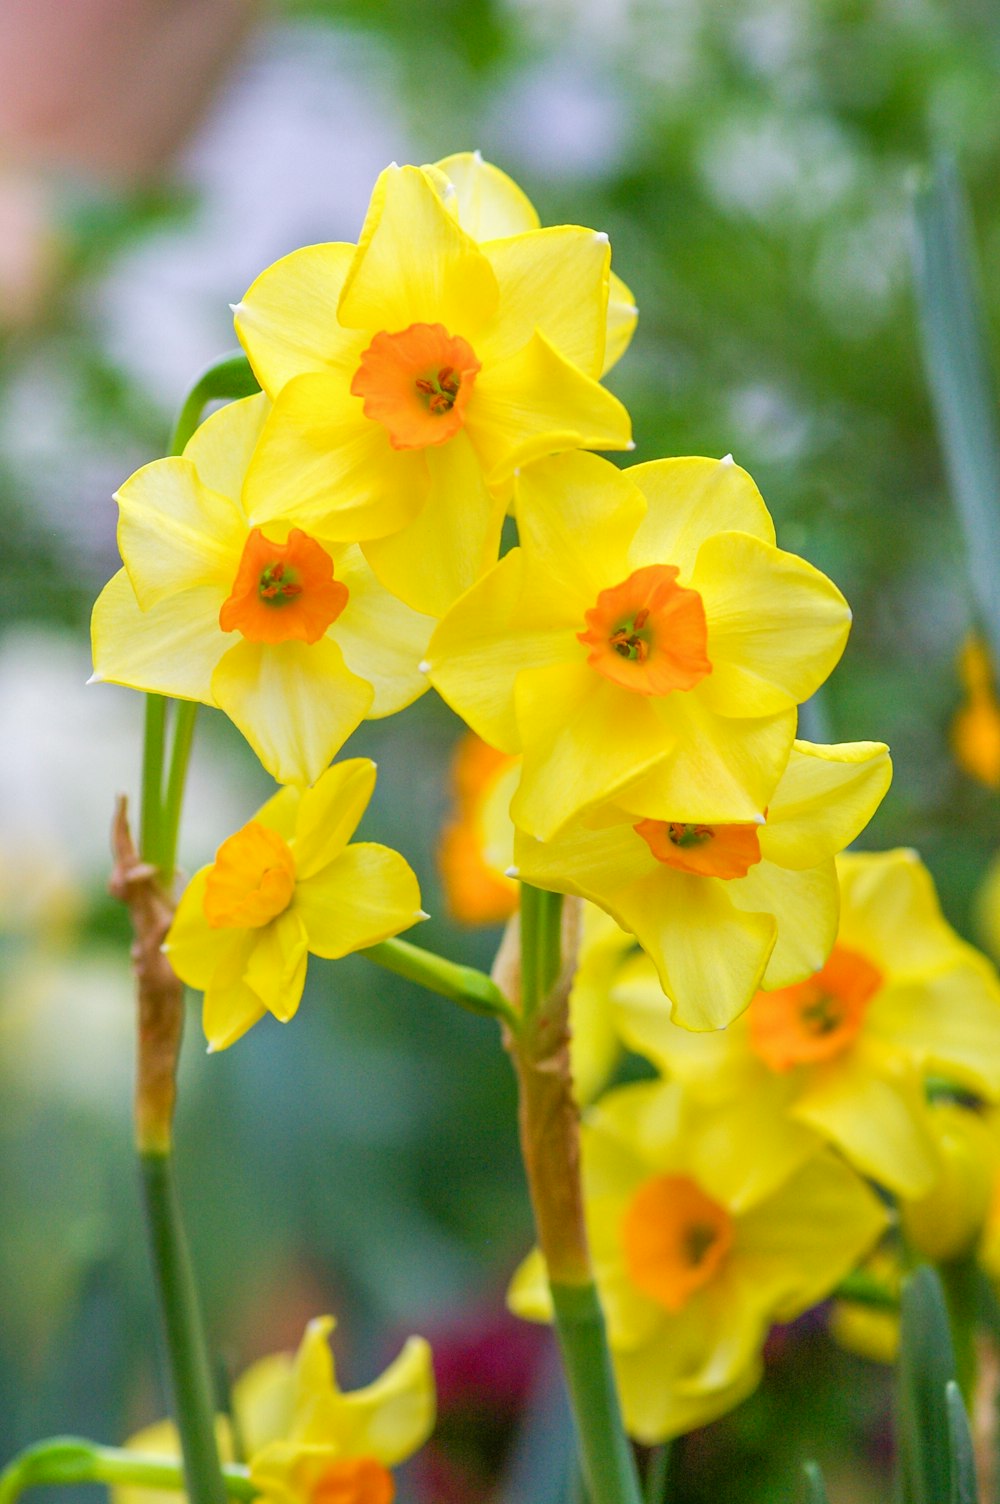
(283, 592)
(648, 634)
(251, 881)
(417, 384)
(675, 1238)
(724, 851)
(817, 1019)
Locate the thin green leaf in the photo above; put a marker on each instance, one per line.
(964, 1489)
(926, 1367)
(815, 1487)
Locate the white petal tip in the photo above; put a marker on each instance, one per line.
(419, 915)
(760, 819)
(477, 155)
(424, 666)
(512, 872)
(237, 309)
(601, 236)
(727, 459)
(392, 167)
(96, 678)
(633, 309)
(211, 1049)
(517, 472)
(630, 445)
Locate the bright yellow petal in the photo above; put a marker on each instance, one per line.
(825, 799)
(281, 811)
(231, 1007)
(287, 321)
(584, 738)
(363, 896)
(163, 1440)
(382, 640)
(890, 913)
(221, 448)
(806, 908)
(392, 1417)
(877, 1122)
(329, 813)
(172, 649)
(528, 1295)
(947, 1022)
(622, 318)
(554, 282)
(535, 403)
(481, 646)
(487, 203)
(776, 625)
(690, 500)
(323, 463)
(194, 947)
(803, 1240)
(295, 702)
(451, 542)
(414, 264)
(575, 514)
(262, 1401)
(174, 534)
(276, 968)
(594, 863)
(595, 1049)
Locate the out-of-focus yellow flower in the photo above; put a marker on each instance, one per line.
(975, 730)
(871, 1331)
(475, 855)
(414, 373)
(699, 1247)
(947, 1222)
(305, 1440)
(647, 642)
(724, 909)
(845, 1054)
(287, 632)
(490, 206)
(283, 886)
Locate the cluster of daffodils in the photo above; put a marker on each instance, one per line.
(630, 672)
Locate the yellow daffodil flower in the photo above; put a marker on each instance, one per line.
(414, 373)
(647, 642)
(284, 886)
(286, 631)
(699, 1246)
(306, 1441)
(845, 1053)
(948, 1222)
(975, 730)
(724, 909)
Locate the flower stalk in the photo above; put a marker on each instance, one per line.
(72, 1460)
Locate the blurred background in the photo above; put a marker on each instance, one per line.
(752, 162)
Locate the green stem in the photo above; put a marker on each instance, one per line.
(194, 1402)
(228, 378)
(608, 1462)
(864, 1290)
(70, 1459)
(463, 984)
(541, 940)
(180, 757)
(960, 1280)
(152, 779)
(658, 1473)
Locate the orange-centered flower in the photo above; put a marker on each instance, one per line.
(706, 850)
(417, 384)
(818, 1018)
(648, 633)
(675, 1237)
(354, 1480)
(283, 592)
(251, 881)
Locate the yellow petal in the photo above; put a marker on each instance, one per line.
(594, 863)
(276, 967)
(621, 321)
(554, 282)
(806, 908)
(295, 702)
(174, 534)
(194, 947)
(776, 625)
(487, 203)
(536, 403)
(329, 813)
(414, 264)
(803, 1240)
(287, 321)
(392, 1417)
(221, 448)
(528, 1295)
(584, 738)
(946, 1021)
(172, 649)
(890, 913)
(323, 463)
(263, 1401)
(451, 542)
(825, 798)
(690, 500)
(281, 811)
(363, 896)
(382, 640)
(481, 646)
(595, 1049)
(231, 1007)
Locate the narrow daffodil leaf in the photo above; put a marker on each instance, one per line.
(926, 1367)
(964, 1489)
(815, 1487)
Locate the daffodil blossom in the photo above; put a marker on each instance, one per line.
(287, 632)
(414, 373)
(646, 643)
(845, 1053)
(700, 1243)
(284, 886)
(724, 909)
(308, 1442)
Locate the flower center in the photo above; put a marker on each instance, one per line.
(417, 384)
(648, 634)
(283, 592)
(675, 1238)
(708, 850)
(251, 880)
(354, 1480)
(817, 1019)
